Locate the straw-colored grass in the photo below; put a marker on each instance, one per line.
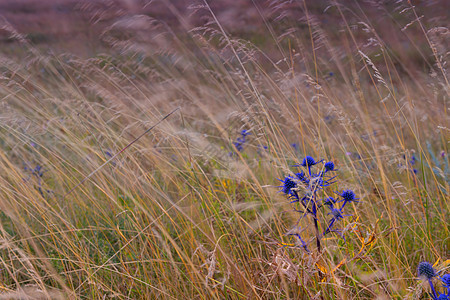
(174, 215)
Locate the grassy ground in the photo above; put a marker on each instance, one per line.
(183, 214)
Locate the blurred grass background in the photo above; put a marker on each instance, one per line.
(363, 84)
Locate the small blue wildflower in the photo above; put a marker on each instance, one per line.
(348, 195)
(442, 297)
(238, 146)
(425, 270)
(301, 176)
(240, 141)
(336, 216)
(329, 166)
(330, 201)
(336, 213)
(308, 161)
(38, 171)
(445, 281)
(245, 132)
(288, 185)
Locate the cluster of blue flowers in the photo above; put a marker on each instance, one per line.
(240, 141)
(426, 271)
(37, 172)
(303, 188)
(411, 163)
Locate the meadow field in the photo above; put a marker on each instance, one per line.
(207, 149)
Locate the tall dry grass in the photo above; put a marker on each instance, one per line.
(175, 216)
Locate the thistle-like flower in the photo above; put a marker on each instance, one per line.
(329, 201)
(288, 185)
(445, 281)
(336, 213)
(442, 297)
(312, 183)
(348, 196)
(329, 166)
(425, 270)
(308, 161)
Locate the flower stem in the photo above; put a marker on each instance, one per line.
(432, 289)
(316, 226)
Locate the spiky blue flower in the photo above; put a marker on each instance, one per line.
(425, 269)
(336, 213)
(308, 161)
(336, 216)
(348, 195)
(445, 281)
(330, 201)
(240, 141)
(245, 132)
(38, 171)
(442, 297)
(329, 166)
(288, 185)
(238, 146)
(301, 175)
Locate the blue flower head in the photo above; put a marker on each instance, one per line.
(301, 176)
(348, 195)
(238, 146)
(245, 132)
(442, 297)
(288, 185)
(330, 201)
(240, 141)
(329, 166)
(336, 213)
(446, 281)
(425, 269)
(308, 161)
